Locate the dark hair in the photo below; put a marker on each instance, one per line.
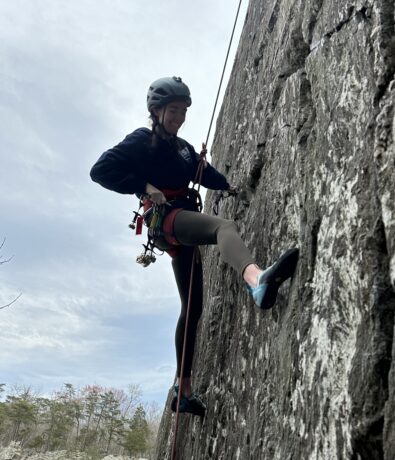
(154, 123)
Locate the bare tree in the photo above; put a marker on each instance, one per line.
(4, 261)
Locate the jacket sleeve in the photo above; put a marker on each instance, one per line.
(214, 179)
(120, 169)
(211, 178)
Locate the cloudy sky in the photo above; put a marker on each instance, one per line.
(73, 81)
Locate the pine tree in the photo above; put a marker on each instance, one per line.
(20, 412)
(136, 438)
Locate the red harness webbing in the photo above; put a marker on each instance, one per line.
(170, 194)
(168, 222)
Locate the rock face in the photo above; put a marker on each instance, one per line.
(306, 132)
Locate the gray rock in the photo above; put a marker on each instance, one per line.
(306, 131)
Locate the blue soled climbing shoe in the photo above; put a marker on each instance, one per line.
(193, 405)
(269, 282)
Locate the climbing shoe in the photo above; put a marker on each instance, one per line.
(269, 282)
(193, 405)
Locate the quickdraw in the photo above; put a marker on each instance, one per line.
(148, 256)
(220, 196)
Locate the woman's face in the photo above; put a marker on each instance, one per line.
(172, 116)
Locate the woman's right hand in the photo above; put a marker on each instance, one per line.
(154, 194)
(232, 190)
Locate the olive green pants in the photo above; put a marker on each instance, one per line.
(194, 229)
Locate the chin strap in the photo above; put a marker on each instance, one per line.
(159, 128)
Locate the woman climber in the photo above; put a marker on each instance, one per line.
(158, 166)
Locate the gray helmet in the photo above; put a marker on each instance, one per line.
(165, 90)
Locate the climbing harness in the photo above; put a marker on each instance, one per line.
(159, 220)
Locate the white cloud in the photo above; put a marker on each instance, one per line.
(73, 79)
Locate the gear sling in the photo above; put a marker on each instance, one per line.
(160, 221)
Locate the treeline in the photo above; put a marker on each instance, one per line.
(95, 420)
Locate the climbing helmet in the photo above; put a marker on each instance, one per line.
(165, 90)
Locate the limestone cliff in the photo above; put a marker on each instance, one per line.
(306, 132)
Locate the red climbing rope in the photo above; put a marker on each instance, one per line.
(223, 72)
(195, 259)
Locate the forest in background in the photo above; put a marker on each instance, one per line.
(92, 420)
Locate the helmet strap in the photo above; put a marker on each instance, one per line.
(158, 127)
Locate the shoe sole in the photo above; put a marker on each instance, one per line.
(173, 406)
(283, 269)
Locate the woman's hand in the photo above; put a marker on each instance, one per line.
(154, 194)
(232, 190)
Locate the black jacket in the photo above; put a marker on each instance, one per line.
(127, 167)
